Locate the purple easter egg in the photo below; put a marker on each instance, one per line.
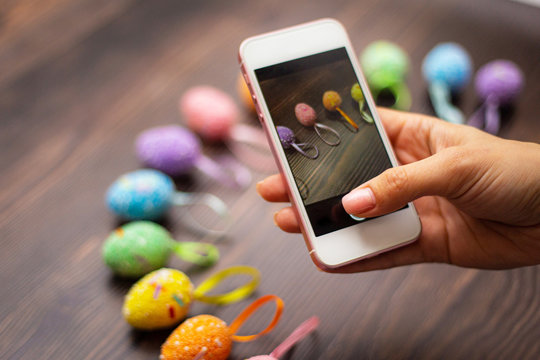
(171, 149)
(286, 136)
(305, 114)
(499, 80)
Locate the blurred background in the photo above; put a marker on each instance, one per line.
(80, 79)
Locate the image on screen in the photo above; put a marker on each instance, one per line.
(326, 131)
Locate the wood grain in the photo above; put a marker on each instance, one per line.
(80, 79)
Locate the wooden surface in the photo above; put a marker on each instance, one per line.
(79, 80)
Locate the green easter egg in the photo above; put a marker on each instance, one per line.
(384, 64)
(137, 248)
(357, 94)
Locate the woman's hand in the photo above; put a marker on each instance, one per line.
(477, 195)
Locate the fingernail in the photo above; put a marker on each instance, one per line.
(275, 218)
(257, 187)
(359, 201)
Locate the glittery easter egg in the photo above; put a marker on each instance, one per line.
(158, 300)
(500, 80)
(384, 64)
(286, 136)
(448, 63)
(209, 112)
(244, 93)
(171, 149)
(203, 335)
(356, 93)
(137, 248)
(305, 114)
(140, 195)
(331, 100)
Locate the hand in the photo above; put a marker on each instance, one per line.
(477, 195)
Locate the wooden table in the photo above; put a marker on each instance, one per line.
(80, 79)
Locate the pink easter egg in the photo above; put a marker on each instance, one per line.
(262, 357)
(305, 114)
(209, 112)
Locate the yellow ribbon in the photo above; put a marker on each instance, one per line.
(232, 296)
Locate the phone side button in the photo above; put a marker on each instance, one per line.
(260, 115)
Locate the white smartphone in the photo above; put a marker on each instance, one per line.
(326, 137)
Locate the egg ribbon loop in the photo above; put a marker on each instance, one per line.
(249, 144)
(441, 98)
(232, 296)
(296, 336)
(226, 171)
(202, 254)
(318, 129)
(302, 147)
(365, 115)
(209, 200)
(244, 315)
(348, 119)
(487, 117)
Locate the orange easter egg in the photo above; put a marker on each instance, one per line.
(331, 100)
(243, 92)
(200, 337)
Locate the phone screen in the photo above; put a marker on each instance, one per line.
(330, 140)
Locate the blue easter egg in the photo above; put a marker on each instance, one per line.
(140, 195)
(448, 63)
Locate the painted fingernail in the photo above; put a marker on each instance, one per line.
(359, 201)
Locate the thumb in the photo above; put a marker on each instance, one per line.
(440, 174)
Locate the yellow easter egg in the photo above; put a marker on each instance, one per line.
(158, 300)
(201, 337)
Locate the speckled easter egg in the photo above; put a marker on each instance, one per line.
(158, 300)
(171, 149)
(209, 112)
(244, 93)
(203, 335)
(137, 248)
(140, 195)
(286, 136)
(331, 100)
(305, 114)
(500, 80)
(448, 63)
(357, 94)
(384, 64)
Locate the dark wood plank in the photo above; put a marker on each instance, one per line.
(80, 79)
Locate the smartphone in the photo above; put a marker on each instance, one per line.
(326, 137)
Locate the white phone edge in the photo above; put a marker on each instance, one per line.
(355, 243)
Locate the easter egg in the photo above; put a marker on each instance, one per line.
(331, 100)
(209, 112)
(205, 335)
(262, 357)
(448, 63)
(171, 149)
(305, 114)
(286, 136)
(356, 93)
(244, 93)
(499, 80)
(158, 300)
(384, 64)
(140, 195)
(137, 248)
